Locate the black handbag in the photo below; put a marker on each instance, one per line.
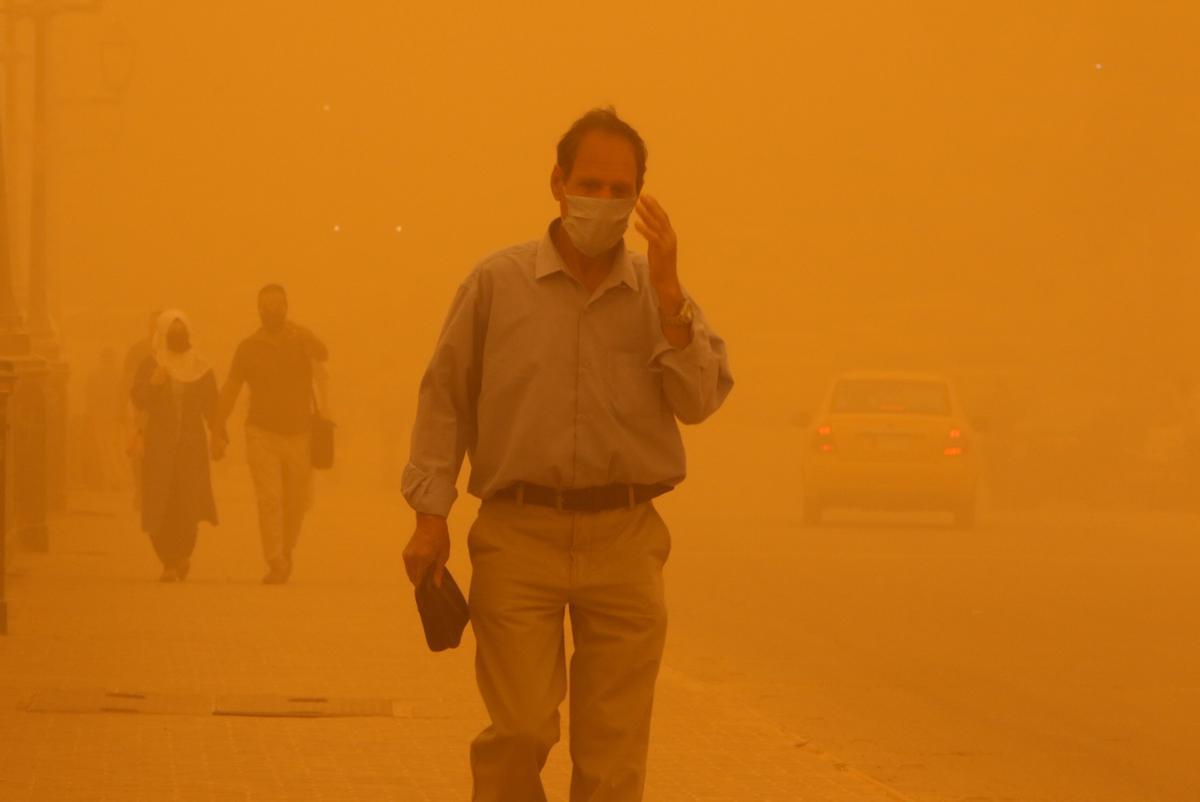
(444, 611)
(321, 436)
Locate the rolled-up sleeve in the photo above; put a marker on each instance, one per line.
(445, 427)
(696, 378)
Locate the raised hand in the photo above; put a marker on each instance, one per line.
(662, 254)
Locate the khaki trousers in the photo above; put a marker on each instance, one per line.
(281, 466)
(531, 565)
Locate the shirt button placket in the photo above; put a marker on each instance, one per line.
(583, 364)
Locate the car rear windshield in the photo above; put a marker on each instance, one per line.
(867, 396)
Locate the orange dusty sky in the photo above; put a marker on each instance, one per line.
(1006, 191)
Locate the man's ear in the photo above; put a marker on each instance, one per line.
(557, 180)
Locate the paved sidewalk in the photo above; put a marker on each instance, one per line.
(90, 616)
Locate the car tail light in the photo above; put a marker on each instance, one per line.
(823, 439)
(956, 443)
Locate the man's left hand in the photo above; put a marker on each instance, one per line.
(662, 254)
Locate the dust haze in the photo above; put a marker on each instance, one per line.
(999, 194)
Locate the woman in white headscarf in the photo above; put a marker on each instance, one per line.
(177, 390)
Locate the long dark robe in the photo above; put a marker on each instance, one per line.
(176, 484)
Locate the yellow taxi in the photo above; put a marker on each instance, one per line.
(891, 441)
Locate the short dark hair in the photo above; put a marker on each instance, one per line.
(273, 288)
(601, 119)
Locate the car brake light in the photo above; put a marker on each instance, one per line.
(955, 446)
(823, 439)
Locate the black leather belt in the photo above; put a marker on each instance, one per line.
(583, 499)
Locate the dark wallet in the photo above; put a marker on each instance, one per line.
(444, 612)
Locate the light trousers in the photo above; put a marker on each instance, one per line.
(531, 566)
(281, 466)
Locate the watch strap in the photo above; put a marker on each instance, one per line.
(684, 318)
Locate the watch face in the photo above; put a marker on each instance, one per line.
(684, 317)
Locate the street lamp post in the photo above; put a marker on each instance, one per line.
(22, 376)
(7, 380)
(24, 485)
(41, 327)
(12, 338)
(46, 342)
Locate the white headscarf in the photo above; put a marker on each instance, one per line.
(186, 367)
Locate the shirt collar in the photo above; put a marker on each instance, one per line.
(550, 261)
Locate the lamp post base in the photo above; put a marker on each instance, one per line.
(27, 478)
(8, 380)
(54, 392)
(56, 434)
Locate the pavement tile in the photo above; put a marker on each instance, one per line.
(90, 617)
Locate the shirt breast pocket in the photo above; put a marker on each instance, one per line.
(636, 388)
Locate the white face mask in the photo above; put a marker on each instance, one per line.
(595, 225)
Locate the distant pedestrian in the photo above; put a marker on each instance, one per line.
(562, 369)
(134, 420)
(104, 402)
(176, 390)
(277, 362)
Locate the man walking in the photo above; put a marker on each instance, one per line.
(562, 368)
(277, 363)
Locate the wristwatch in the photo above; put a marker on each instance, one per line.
(684, 318)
